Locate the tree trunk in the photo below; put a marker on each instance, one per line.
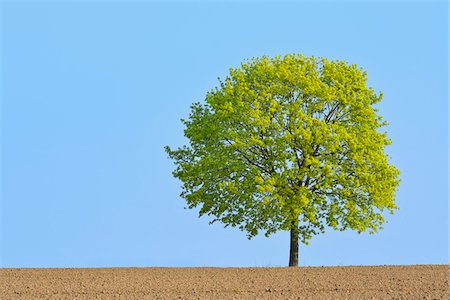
(293, 255)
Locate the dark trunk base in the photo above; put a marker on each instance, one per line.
(293, 254)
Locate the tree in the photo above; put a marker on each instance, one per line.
(289, 143)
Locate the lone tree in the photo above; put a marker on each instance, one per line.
(289, 143)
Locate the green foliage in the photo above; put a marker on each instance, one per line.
(288, 139)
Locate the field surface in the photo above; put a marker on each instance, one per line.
(383, 282)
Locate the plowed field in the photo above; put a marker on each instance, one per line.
(383, 282)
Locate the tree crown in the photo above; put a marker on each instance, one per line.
(288, 139)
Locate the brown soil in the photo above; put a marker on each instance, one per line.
(384, 282)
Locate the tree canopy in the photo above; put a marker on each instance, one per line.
(289, 141)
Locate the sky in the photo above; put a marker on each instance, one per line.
(91, 92)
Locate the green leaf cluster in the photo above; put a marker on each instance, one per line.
(288, 139)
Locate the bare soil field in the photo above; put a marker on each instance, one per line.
(364, 282)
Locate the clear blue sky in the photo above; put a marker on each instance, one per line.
(91, 92)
